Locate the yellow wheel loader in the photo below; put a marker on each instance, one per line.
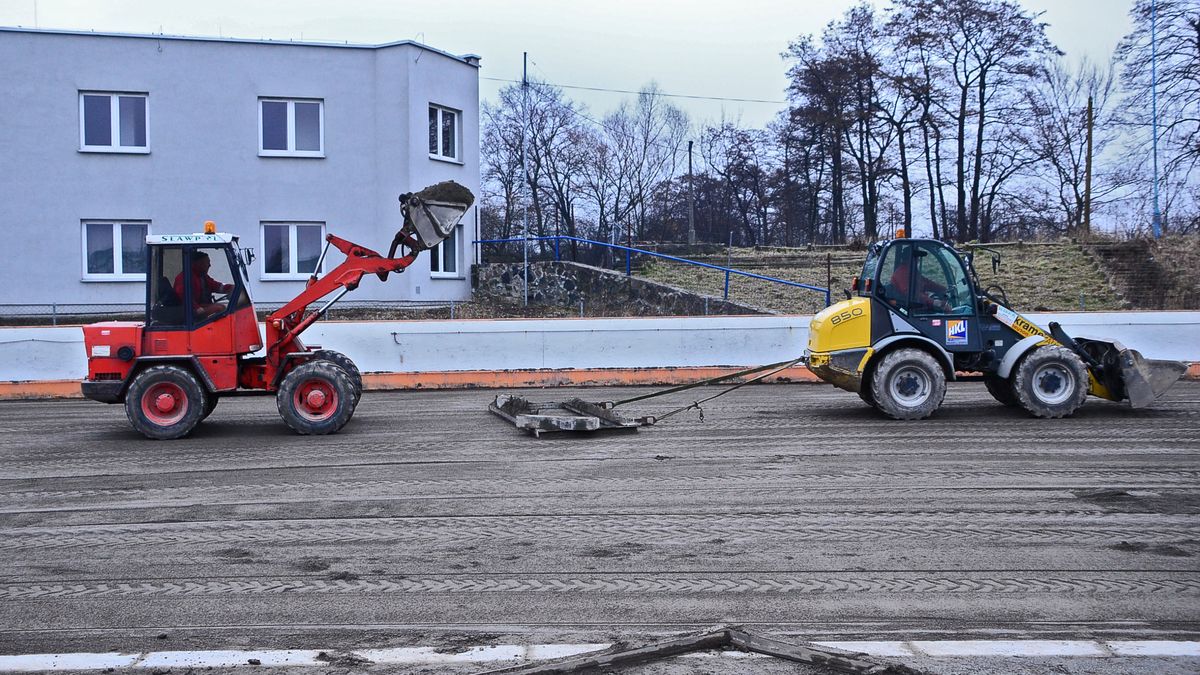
(917, 318)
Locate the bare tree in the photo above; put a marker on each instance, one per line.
(1177, 28)
(992, 48)
(1058, 136)
(502, 178)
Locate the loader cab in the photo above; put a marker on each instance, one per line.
(926, 286)
(197, 300)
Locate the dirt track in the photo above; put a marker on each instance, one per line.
(792, 509)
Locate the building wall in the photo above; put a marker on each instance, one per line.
(203, 162)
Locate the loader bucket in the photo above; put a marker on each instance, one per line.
(1147, 379)
(435, 211)
(1128, 374)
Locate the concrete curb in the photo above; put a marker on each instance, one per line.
(492, 379)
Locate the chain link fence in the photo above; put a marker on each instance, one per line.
(60, 313)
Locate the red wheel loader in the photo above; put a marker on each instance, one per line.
(201, 332)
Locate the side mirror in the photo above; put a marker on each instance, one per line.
(245, 257)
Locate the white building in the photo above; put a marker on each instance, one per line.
(107, 137)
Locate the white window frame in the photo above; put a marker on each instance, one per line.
(293, 250)
(114, 119)
(438, 254)
(118, 274)
(458, 145)
(291, 127)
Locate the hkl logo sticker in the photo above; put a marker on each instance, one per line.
(956, 331)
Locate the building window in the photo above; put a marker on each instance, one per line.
(114, 251)
(291, 128)
(291, 250)
(443, 258)
(443, 133)
(112, 122)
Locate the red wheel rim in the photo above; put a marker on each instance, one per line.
(315, 400)
(164, 403)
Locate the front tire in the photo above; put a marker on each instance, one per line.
(908, 384)
(165, 402)
(316, 398)
(1051, 382)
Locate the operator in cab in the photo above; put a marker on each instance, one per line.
(929, 295)
(203, 287)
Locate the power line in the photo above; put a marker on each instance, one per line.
(605, 127)
(658, 93)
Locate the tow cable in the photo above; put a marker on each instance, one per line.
(579, 415)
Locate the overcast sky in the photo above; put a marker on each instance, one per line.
(694, 47)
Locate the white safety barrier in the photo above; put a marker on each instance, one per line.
(57, 353)
(427, 656)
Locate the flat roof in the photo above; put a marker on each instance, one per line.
(469, 59)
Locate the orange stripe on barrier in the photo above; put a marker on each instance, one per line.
(492, 379)
(497, 379)
(46, 389)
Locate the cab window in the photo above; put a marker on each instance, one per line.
(869, 268)
(164, 308)
(213, 289)
(895, 275)
(941, 286)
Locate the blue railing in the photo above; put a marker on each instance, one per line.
(630, 251)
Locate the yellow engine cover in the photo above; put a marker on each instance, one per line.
(845, 325)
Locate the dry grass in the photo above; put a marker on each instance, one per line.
(1179, 257)
(1048, 277)
(1055, 277)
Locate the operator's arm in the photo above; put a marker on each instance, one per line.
(214, 286)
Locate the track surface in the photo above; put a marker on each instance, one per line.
(793, 509)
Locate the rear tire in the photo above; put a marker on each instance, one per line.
(908, 384)
(346, 365)
(1051, 382)
(165, 402)
(865, 394)
(1001, 389)
(316, 398)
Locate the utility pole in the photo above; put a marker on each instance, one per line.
(691, 201)
(1156, 223)
(525, 168)
(1087, 176)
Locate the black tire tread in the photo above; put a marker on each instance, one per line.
(889, 363)
(347, 365)
(210, 404)
(1001, 389)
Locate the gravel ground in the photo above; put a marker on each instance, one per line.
(792, 509)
